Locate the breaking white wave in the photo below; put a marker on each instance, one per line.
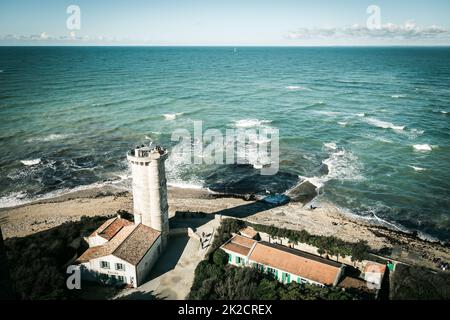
(185, 185)
(342, 165)
(361, 114)
(398, 96)
(342, 123)
(417, 168)
(31, 162)
(20, 198)
(327, 113)
(172, 116)
(297, 88)
(444, 112)
(384, 124)
(422, 147)
(417, 131)
(179, 170)
(330, 145)
(248, 123)
(50, 137)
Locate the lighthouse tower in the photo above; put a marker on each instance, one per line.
(149, 188)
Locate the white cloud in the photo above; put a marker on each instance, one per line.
(44, 35)
(389, 31)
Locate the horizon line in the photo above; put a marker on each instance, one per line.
(229, 45)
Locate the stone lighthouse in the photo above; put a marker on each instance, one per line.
(149, 188)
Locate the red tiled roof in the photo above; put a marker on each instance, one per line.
(375, 267)
(239, 244)
(296, 262)
(136, 245)
(130, 243)
(110, 230)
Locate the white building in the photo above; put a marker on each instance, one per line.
(283, 263)
(292, 265)
(122, 251)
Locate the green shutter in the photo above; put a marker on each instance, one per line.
(229, 257)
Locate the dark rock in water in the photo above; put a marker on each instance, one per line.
(323, 169)
(303, 193)
(245, 180)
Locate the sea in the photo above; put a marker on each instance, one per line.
(376, 117)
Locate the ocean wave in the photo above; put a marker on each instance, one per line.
(342, 123)
(342, 165)
(328, 113)
(330, 145)
(248, 123)
(417, 131)
(417, 168)
(20, 198)
(384, 124)
(298, 88)
(172, 116)
(360, 114)
(377, 138)
(185, 185)
(31, 162)
(398, 96)
(179, 170)
(422, 147)
(50, 137)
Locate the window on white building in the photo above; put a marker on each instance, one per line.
(104, 264)
(122, 279)
(120, 266)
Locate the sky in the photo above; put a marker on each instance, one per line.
(225, 22)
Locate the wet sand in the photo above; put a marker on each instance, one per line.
(324, 220)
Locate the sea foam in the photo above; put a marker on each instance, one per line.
(50, 137)
(342, 165)
(384, 124)
(417, 168)
(297, 88)
(330, 145)
(31, 162)
(422, 147)
(248, 123)
(172, 116)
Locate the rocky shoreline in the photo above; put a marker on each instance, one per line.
(325, 220)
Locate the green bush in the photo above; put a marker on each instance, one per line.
(220, 258)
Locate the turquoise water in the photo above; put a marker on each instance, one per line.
(378, 117)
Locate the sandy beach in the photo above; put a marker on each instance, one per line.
(325, 220)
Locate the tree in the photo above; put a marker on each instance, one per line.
(267, 290)
(220, 258)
